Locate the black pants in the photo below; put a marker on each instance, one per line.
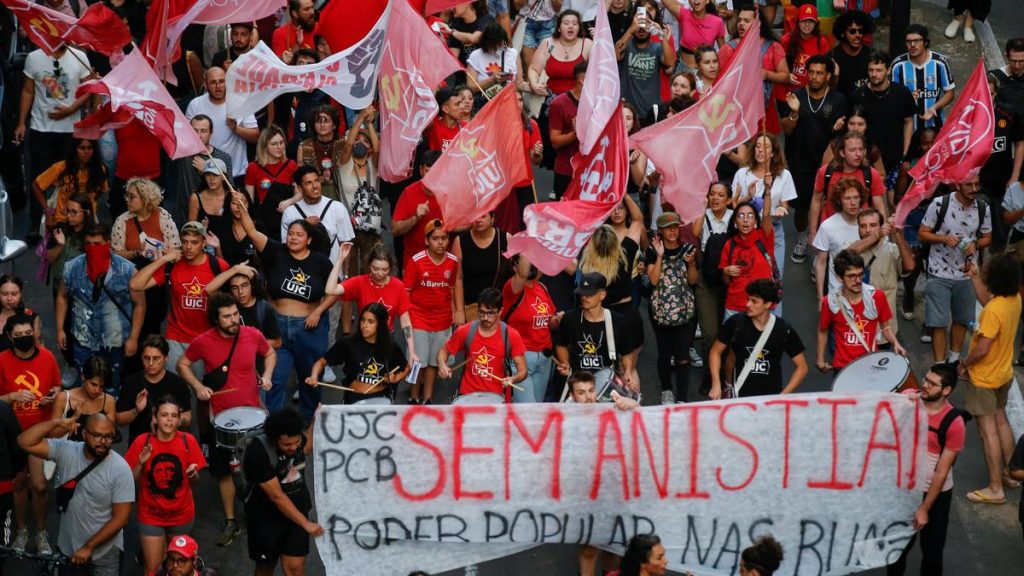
(933, 540)
(674, 357)
(44, 150)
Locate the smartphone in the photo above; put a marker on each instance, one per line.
(414, 374)
(688, 249)
(641, 13)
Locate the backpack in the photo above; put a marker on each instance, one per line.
(947, 421)
(1010, 96)
(246, 487)
(713, 255)
(776, 277)
(672, 299)
(941, 217)
(367, 212)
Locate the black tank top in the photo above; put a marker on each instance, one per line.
(483, 267)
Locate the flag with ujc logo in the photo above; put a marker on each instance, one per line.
(686, 147)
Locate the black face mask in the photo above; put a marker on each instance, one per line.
(24, 343)
(360, 150)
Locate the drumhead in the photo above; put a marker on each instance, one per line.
(241, 418)
(875, 372)
(480, 398)
(375, 401)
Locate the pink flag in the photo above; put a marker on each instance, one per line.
(435, 6)
(478, 169)
(556, 231)
(686, 147)
(43, 26)
(601, 90)
(961, 147)
(414, 63)
(99, 29)
(136, 93)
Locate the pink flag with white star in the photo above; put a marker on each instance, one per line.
(601, 89)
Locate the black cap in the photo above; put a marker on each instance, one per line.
(591, 283)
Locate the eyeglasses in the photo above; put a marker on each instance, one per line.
(489, 313)
(854, 276)
(855, 31)
(240, 287)
(101, 437)
(68, 212)
(56, 69)
(179, 561)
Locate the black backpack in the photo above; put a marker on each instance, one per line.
(712, 255)
(947, 421)
(1010, 96)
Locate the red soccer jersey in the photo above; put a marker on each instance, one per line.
(38, 374)
(530, 318)
(213, 348)
(188, 299)
(848, 347)
(439, 135)
(430, 288)
(415, 239)
(392, 295)
(485, 361)
(165, 493)
(877, 187)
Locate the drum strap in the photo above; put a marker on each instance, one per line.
(609, 333)
(755, 353)
(847, 309)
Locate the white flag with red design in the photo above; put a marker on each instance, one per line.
(686, 147)
(136, 94)
(961, 147)
(601, 89)
(414, 63)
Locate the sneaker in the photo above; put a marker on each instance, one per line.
(926, 337)
(20, 540)
(969, 35)
(667, 398)
(908, 314)
(953, 28)
(695, 360)
(799, 254)
(43, 544)
(228, 533)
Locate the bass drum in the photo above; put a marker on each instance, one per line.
(876, 372)
(475, 398)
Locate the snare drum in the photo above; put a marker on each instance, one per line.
(375, 401)
(231, 425)
(876, 372)
(479, 398)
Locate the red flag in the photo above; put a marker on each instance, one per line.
(99, 29)
(556, 231)
(483, 162)
(601, 89)
(344, 24)
(135, 93)
(436, 6)
(414, 63)
(43, 26)
(686, 147)
(961, 147)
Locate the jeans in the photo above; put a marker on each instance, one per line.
(538, 372)
(300, 349)
(933, 540)
(780, 246)
(114, 355)
(674, 356)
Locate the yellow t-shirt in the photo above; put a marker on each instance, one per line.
(998, 321)
(55, 173)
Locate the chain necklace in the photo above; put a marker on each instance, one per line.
(820, 104)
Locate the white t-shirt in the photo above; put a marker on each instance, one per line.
(488, 64)
(336, 220)
(783, 188)
(717, 226)
(1013, 201)
(57, 80)
(586, 8)
(224, 137)
(834, 235)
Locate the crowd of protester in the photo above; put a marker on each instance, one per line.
(279, 262)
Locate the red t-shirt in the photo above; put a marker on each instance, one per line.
(138, 152)
(877, 186)
(212, 348)
(262, 177)
(955, 441)
(530, 139)
(415, 239)
(752, 263)
(848, 348)
(39, 374)
(438, 135)
(392, 295)
(561, 120)
(485, 359)
(531, 316)
(285, 38)
(430, 288)
(165, 493)
(810, 46)
(188, 298)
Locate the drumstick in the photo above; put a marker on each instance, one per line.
(500, 379)
(374, 387)
(335, 386)
(224, 391)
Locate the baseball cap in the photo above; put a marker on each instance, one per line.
(215, 166)
(591, 283)
(432, 225)
(194, 228)
(184, 545)
(808, 12)
(668, 219)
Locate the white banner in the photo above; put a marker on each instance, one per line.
(349, 76)
(834, 477)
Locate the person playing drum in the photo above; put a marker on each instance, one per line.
(373, 362)
(232, 349)
(855, 313)
(490, 345)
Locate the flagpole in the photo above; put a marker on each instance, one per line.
(72, 52)
(478, 87)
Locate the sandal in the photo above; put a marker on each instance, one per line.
(979, 497)
(1010, 482)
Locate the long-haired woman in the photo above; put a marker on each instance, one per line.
(81, 170)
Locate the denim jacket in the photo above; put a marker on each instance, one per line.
(99, 323)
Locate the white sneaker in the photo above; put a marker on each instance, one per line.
(799, 254)
(952, 29)
(695, 360)
(20, 540)
(667, 397)
(969, 34)
(43, 544)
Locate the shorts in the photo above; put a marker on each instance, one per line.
(986, 401)
(269, 540)
(164, 531)
(943, 296)
(428, 344)
(537, 31)
(496, 7)
(220, 461)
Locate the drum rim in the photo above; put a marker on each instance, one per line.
(886, 353)
(479, 394)
(240, 409)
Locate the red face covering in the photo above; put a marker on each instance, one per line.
(97, 260)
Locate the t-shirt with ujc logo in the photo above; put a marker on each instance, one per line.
(38, 374)
(189, 298)
(485, 360)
